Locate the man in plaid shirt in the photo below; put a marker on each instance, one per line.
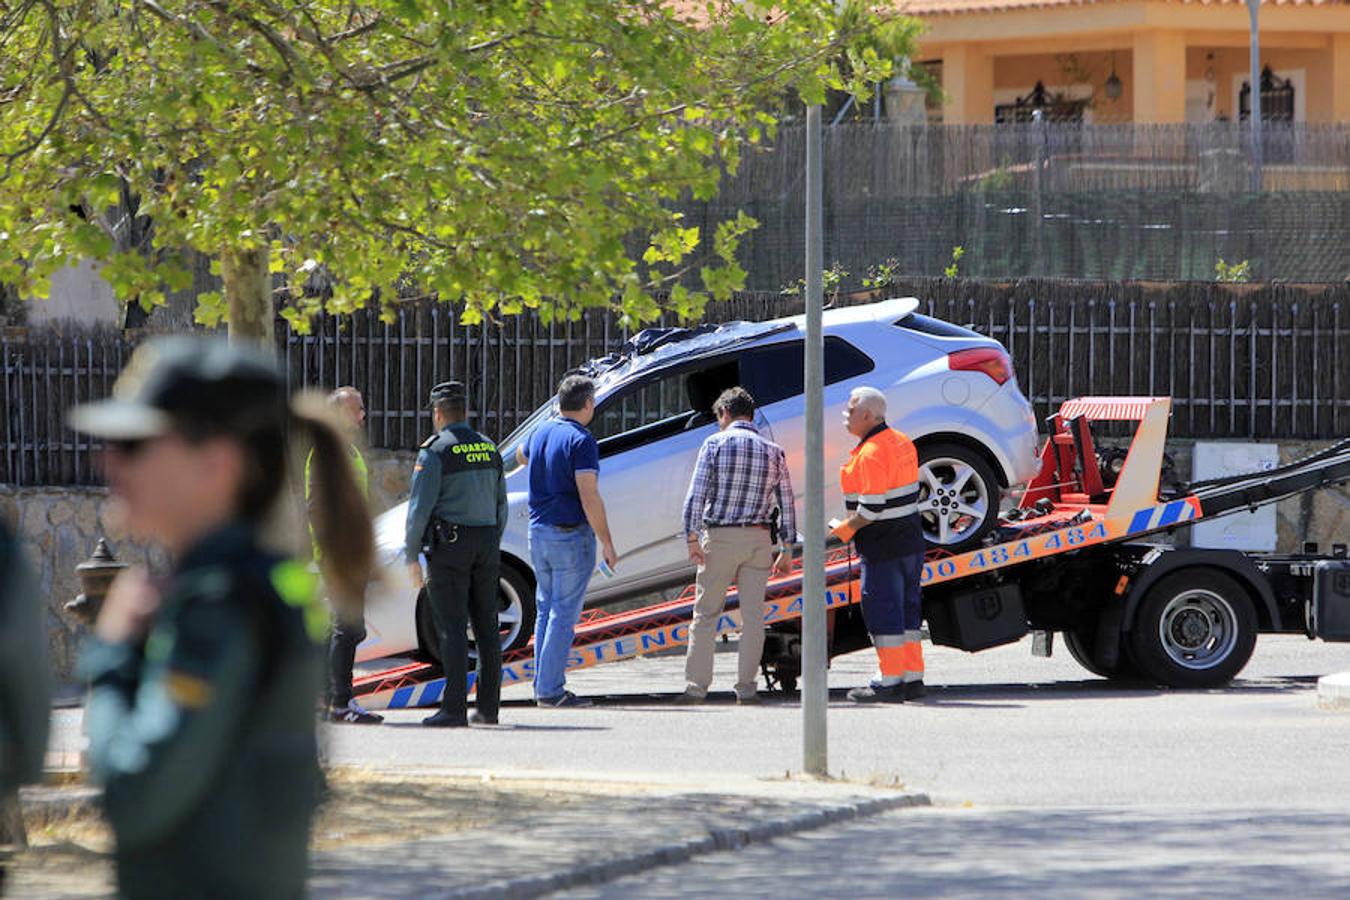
(740, 482)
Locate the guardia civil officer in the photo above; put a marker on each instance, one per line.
(457, 514)
(201, 715)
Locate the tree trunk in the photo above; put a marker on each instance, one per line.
(248, 295)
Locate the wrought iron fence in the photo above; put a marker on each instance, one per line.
(1051, 199)
(1246, 361)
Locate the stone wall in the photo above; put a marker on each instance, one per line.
(60, 526)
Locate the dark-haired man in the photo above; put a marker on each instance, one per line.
(566, 517)
(740, 482)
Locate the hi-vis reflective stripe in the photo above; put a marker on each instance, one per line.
(617, 647)
(1166, 514)
(893, 504)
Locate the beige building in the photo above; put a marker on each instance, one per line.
(1145, 61)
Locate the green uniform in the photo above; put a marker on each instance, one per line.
(348, 630)
(204, 738)
(458, 482)
(359, 468)
(25, 681)
(457, 479)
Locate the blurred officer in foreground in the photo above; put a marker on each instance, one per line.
(201, 715)
(349, 620)
(457, 511)
(25, 690)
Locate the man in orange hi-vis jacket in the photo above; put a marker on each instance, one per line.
(880, 482)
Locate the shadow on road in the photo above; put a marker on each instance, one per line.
(1003, 695)
(1027, 853)
(503, 726)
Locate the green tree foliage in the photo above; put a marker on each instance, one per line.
(953, 270)
(1233, 273)
(495, 153)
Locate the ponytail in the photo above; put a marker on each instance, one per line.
(339, 517)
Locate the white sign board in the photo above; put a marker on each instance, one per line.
(1239, 530)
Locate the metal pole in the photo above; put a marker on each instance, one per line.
(815, 691)
(1252, 7)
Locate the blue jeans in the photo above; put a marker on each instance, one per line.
(563, 560)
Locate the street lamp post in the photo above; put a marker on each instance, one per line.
(815, 692)
(1255, 94)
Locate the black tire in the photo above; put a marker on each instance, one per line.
(787, 679)
(974, 486)
(516, 589)
(1082, 646)
(515, 580)
(1195, 629)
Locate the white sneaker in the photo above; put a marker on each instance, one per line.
(353, 713)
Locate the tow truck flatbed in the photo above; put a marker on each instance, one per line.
(1072, 558)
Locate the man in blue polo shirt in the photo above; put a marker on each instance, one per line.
(566, 517)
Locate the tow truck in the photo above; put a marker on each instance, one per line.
(1081, 555)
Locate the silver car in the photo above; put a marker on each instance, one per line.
(951, 390)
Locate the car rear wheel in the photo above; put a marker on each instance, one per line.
(516, 615)
(958, 496)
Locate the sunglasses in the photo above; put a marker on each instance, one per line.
(130, 446)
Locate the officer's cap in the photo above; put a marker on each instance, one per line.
(449, 392)
(190, 384)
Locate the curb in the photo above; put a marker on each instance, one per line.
(46, 805)
(715, 840)
(1333, 691)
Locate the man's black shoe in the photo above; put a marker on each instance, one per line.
(914, 690)
(445, 720)
(477, 718)
(894, 693)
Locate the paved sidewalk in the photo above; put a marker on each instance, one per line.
(604, 830)
(435, 834)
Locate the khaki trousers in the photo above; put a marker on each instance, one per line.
(742, 555)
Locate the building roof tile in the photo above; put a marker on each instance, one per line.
(940, 7)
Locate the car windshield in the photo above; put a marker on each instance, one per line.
(618, 370)
(519, 437)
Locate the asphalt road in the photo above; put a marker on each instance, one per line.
(999, 728)
(1046, 781)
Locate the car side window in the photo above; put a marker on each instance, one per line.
(639, 406)
(670, 402)
(775, 372)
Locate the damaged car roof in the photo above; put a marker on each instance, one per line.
(653, 347)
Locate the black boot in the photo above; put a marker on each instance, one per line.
(894, 693)
(445, 719)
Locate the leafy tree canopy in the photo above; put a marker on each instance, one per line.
(495, 153)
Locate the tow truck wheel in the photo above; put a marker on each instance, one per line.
(1082, 643)
(1195, 629)
(958, 496)
(516, 614)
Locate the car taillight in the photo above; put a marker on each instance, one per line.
(990, 361)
